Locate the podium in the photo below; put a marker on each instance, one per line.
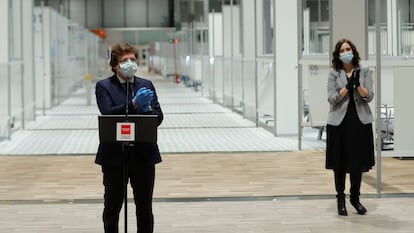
(134, 128)
(127, 130)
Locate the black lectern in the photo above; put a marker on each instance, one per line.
(127, 130)
(134, 128)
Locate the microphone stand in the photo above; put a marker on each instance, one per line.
(127, 98)
(125, 152)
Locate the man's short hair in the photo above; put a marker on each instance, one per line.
(119, 49)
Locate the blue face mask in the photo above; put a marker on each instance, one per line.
(128, 68)
(346, 57)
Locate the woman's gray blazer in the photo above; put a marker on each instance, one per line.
(338, 105)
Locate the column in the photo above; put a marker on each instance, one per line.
(286, 68)
(249, 79)
(4, 35)
(349, 19)
(28, 60)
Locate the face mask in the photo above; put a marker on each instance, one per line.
(346, 57)
(128, 68)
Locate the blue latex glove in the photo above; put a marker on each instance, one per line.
(143, 98)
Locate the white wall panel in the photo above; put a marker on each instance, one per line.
(114, 37)
(77, 11)
(403, 118)
(4, 35)
(93, 14)
(136, 13)
(340, 19)
(316, 78)
(28, 60)
(42, 55)
(4, 78)
(113, 13)
(215, 34)
(236, 30)
(16, 30)
(117, 13)
(227, 24)
(259, 27)
(248, 31)
(158, 13)
(286, 44)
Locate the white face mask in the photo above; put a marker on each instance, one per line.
(346, 57)
(128, 68)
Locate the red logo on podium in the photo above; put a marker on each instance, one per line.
(125, 129)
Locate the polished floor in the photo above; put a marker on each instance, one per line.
(219, 174)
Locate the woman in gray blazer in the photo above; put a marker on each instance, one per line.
(349, 141)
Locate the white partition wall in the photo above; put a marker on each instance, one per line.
(230, 42)
(403, 110)
(265, 89)
(62, 83)
(247, 77)
(235, 30)
(317, 78)
(349, 19)
(15, 30)
(215, 35)
(4, 78)
(16, 66)
(42, 57)
(227, 30)
(286, 44)
(28, 60)
(62, 52)
(4, 35)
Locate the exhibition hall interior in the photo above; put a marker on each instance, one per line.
(242, 85)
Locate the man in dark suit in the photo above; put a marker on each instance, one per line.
(111, 96)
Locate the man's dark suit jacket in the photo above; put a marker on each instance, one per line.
(110, 97)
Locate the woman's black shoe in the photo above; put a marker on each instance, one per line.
(341, 208)
(358, 206)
